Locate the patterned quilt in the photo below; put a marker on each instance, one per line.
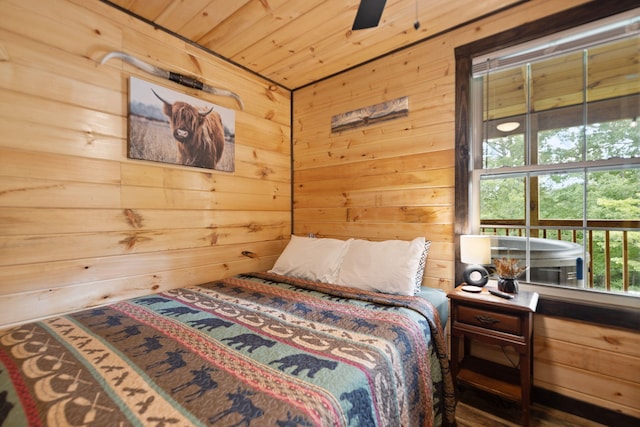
(251, 350)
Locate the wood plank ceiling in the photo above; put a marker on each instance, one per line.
(297, 42)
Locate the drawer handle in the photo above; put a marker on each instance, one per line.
(486, 320)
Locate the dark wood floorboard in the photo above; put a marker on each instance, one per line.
(476, 409)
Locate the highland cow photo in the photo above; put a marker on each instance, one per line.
(171, 127)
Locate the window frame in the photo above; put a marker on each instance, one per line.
(562, 21)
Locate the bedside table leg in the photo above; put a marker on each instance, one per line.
(455, 356)
(525, 384)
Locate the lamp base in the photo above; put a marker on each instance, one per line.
(476, 275)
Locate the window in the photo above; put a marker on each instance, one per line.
(554, 144)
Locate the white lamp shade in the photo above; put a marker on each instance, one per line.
(475, 249)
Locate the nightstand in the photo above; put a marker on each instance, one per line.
(493, 320)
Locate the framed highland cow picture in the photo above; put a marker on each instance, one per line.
(172, 127)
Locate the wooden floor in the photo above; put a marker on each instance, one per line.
(478, 410)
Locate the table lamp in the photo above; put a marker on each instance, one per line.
(475, 250)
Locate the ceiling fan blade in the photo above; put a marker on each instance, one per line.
(369, 13)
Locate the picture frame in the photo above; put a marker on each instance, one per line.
(372, 114)
(172, 127)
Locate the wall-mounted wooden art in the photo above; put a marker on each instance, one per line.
(172, 127)
(373, 114)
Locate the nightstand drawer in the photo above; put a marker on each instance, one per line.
(492, 320)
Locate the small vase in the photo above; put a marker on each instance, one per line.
(507, 284)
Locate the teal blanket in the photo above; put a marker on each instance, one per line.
(251, 350)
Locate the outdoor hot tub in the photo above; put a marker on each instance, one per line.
(551, 261)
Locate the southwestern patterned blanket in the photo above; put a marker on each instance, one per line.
(251, 350)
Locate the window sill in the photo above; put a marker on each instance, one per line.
(586, 305)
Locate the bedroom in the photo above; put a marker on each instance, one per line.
(83, 225)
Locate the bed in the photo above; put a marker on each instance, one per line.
(259, 349)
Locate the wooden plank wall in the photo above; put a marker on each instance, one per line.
(588, 362)
(389, 180)
(394, 179)
(80, 224)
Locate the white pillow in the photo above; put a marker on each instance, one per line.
(390, 266)
(312, 258)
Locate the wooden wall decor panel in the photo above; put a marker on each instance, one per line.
(82, 225)
(370, 114)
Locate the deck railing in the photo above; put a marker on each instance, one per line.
(614, 260)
